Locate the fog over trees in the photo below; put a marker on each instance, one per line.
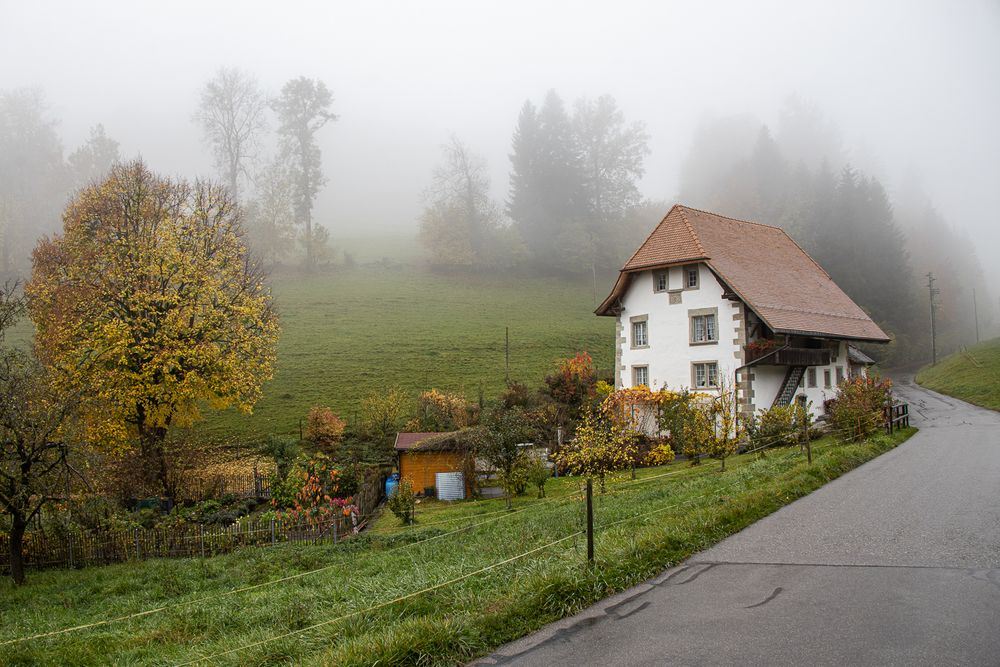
(549, 141)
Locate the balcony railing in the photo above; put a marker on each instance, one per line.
(790, 356)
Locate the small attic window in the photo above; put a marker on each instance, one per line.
(691, 277)
(660, 281)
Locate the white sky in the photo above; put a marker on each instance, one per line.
(911, 84)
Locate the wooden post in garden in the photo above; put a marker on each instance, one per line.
(272, 531)
(808, 440)
(559, 441)
(506, 354)
(590, 520)
(201, 527)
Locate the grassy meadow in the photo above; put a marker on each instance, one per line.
(390, 321)
(972, 374)
(401, 595)
(353, 332)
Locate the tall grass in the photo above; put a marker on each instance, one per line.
(972, 375)
(642, 527)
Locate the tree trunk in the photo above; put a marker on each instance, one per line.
(234, 171)
(154, 459)
(310, 259)
(18, 526)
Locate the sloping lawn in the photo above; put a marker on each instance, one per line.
(346, 334)
(403, 596)
(350, 332)
(972, 375)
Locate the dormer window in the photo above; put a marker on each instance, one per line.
(691, 277)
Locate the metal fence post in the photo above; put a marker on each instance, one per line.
(590, 520)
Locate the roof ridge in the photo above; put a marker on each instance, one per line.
(817, 264)
(687, 223)
(759, 224)
(729, 217)
(649, 236)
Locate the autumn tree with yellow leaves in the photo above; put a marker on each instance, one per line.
(150, 307)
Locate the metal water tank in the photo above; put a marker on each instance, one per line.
(450, 485)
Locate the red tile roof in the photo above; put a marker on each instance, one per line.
(759, 263)
(410, 440)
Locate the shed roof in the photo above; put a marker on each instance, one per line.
(410, 440)
(761, 264)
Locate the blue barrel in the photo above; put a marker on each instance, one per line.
(391, 484)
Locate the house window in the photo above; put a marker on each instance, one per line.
(660, 281)
(811, 378)
(705, 374)
(640, 376)
(691, 277)
(640, 332)
(704, 325)
(840, 374)
(826, 378)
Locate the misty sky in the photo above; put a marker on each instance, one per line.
(912, 85)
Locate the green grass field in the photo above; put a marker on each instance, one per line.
(391, 322)
(467, 578)
(972, 375)
(350, 333)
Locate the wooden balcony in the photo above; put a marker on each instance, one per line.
(789, 356)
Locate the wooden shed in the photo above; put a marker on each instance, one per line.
(420, 464)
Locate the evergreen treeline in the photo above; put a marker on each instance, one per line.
(878, 250)
(573, 205)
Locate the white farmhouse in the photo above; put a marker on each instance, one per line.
(708, 298)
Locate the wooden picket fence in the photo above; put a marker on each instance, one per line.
(85, 548)
(79, 548)
(248, 485)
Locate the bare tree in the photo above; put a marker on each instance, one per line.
(460, 219)
(303, 108)
(33, 423)
(232, 117)
(270, 216)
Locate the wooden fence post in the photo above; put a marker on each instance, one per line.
(273, 538)
(590, 520)
(136, 531)
(201, 531)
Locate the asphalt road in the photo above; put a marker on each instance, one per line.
(895, 563)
